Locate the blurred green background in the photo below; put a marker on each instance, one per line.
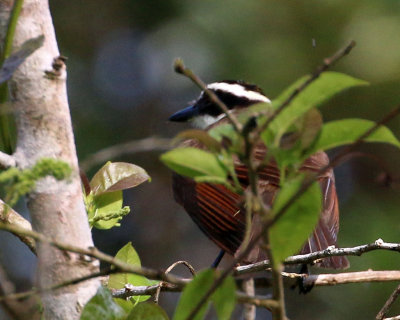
(122, 88)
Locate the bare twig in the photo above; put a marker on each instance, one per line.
(97, 254)
(382, 313)
(11, 217)
(169, 269)
(327, 63)
(351, 277)
(6, 160)
(180, 68)
(34, 291)
(127, 148)
(393, 318)
(333, 252)
(258, 301)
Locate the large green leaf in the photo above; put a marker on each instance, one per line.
(192, 162)
(102, 306)
(223, 298)
(114, 176)
(147, 311)
(293, 228)
(327, 85)
(346, 131)
(118, 281)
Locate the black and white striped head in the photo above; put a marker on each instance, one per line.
(234, 94)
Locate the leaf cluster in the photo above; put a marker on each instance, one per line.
(103, 197)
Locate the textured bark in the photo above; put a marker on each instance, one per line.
(44, 130)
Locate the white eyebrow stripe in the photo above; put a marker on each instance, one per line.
(238, 90)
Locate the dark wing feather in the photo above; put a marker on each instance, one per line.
(214, 208)
(218, 213)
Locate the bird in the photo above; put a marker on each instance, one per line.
(218, 211)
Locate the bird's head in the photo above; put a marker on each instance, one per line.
(235, 95)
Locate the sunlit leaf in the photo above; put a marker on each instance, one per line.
(17, 58)
(118, 281)
(104, 205)
(147, 311)
(114, 176)
(223, 298)
(289, 233)
(102, 306)
(327, 85)
(192, 162)
(346, 131)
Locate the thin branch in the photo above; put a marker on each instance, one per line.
(10, 217)
(181, 69)
(97, 254)
(351, 277)
(393, 318)
(258, 301)
(333, 252)
(127, 148)
(327, 63)
(6, 160)
(388, 304)
(34, 291)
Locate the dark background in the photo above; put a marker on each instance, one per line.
(122, 87)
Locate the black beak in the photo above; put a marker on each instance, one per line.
(184, 114)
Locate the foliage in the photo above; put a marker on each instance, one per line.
(223, 298)
(104, 198)
(118, 281)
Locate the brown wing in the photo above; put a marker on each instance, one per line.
(217, 211)
(214, 208)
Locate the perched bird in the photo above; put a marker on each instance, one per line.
(218, 211)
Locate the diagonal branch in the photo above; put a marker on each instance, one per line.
(388, 304)
(118, 150)
(10, 217)
(95, 253)
(327, 63)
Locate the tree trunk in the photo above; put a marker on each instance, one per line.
(44, 131)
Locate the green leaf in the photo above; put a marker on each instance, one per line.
(102, 306)
(293, 228)
(17, 58)
(327, 85)
(104, 205)
(224, 298)
(192, 294)
(114, 176)
(346, 131)
(147, 311)
(192, 162)
(118, 281)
